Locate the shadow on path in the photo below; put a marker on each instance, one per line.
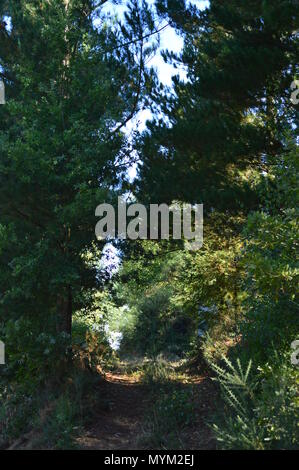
(121, 426)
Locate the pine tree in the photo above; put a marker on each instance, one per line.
(215, 133)
(73, 80)
(233, 110)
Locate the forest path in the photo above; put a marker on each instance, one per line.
(120, 425)
(123, 425)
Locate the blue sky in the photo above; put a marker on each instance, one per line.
(168, 40)
(171, 41)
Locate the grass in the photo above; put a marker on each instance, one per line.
(172, 405)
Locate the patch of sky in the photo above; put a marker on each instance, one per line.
(171, 41)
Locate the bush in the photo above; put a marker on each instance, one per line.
(34, 352)
(157, 371)
(61, 426)
(18, 410)
(261, 405)
(262, 408)
(172, 412)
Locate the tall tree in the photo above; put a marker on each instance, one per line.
(234, 107)
(74, 77)
(216, 132)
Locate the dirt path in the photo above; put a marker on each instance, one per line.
(121, 426)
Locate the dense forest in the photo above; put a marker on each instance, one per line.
(142, 342)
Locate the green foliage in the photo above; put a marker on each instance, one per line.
(232, 380)
(152, 320)
(172, 408)
(229, 140)
(271, 262)
(18, 409)
(47, 387)
(262, 407)
(35, 352)
(50, 415)
(74, 77)
(156, 371)
(170, 415)
(169, 293)
(240, 59)
(60, 428)
(226, 136)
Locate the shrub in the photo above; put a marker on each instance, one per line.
(157, 371)
(61, 426)
(261, 406)
(172, 412)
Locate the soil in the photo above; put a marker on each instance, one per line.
(122, 425)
